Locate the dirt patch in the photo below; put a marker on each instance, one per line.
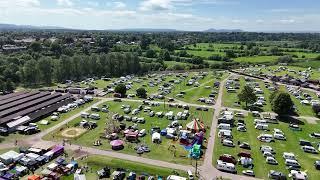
(72, 132)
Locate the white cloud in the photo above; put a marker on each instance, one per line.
(287, 21)
(64, 2)
(119, 5)
(19, 3)
(151, 5)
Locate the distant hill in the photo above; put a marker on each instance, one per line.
(145, 30)
(223, 30)
(27, 27)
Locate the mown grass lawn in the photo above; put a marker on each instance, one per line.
(96, 163)
(261, 168)
(194, 93)
(257, 59)
(160, 151)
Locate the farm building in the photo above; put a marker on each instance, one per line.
(24, 107)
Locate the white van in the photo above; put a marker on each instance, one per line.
(287, 155)
(294, 163)
(224, 166)
(85, 115)
(190, 175)
(224, 126)
(261, 126)
(224, 134)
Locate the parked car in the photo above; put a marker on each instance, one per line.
(248, 173)
(245, 145)
(317, 165)
(276, 175)
(271, 160)
(228, 143)
(242, 128)
(309, 149)
(227, 167)
(267, 154)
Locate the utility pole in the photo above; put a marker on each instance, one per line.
(196, 173)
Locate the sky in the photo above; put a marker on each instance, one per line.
(193, 15)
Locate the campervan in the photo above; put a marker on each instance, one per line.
(262, 126)
(228, 167)
(224, 134)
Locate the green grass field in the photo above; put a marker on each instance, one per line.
(98, 162)
(257, 59)
(171, 64)
(160, 152)
(261, 168)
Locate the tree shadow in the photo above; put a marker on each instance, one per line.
(290, 120)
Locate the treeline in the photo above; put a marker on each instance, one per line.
(28, 71)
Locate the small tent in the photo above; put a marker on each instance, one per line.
(195, 126)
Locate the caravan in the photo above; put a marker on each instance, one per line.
(261, 126)
(227, 167)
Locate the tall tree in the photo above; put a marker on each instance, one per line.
(247, 95)
(30, 73)
(45, 70)
(282, 103)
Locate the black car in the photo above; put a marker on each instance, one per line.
(245, 146)
(304, 143)
(317, 165)
(4, 131)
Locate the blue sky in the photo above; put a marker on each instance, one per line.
(250, 15)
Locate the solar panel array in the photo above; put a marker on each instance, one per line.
(27, 105)
(18, 97)
(56, 98)
(4, 97)
(22, 101)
